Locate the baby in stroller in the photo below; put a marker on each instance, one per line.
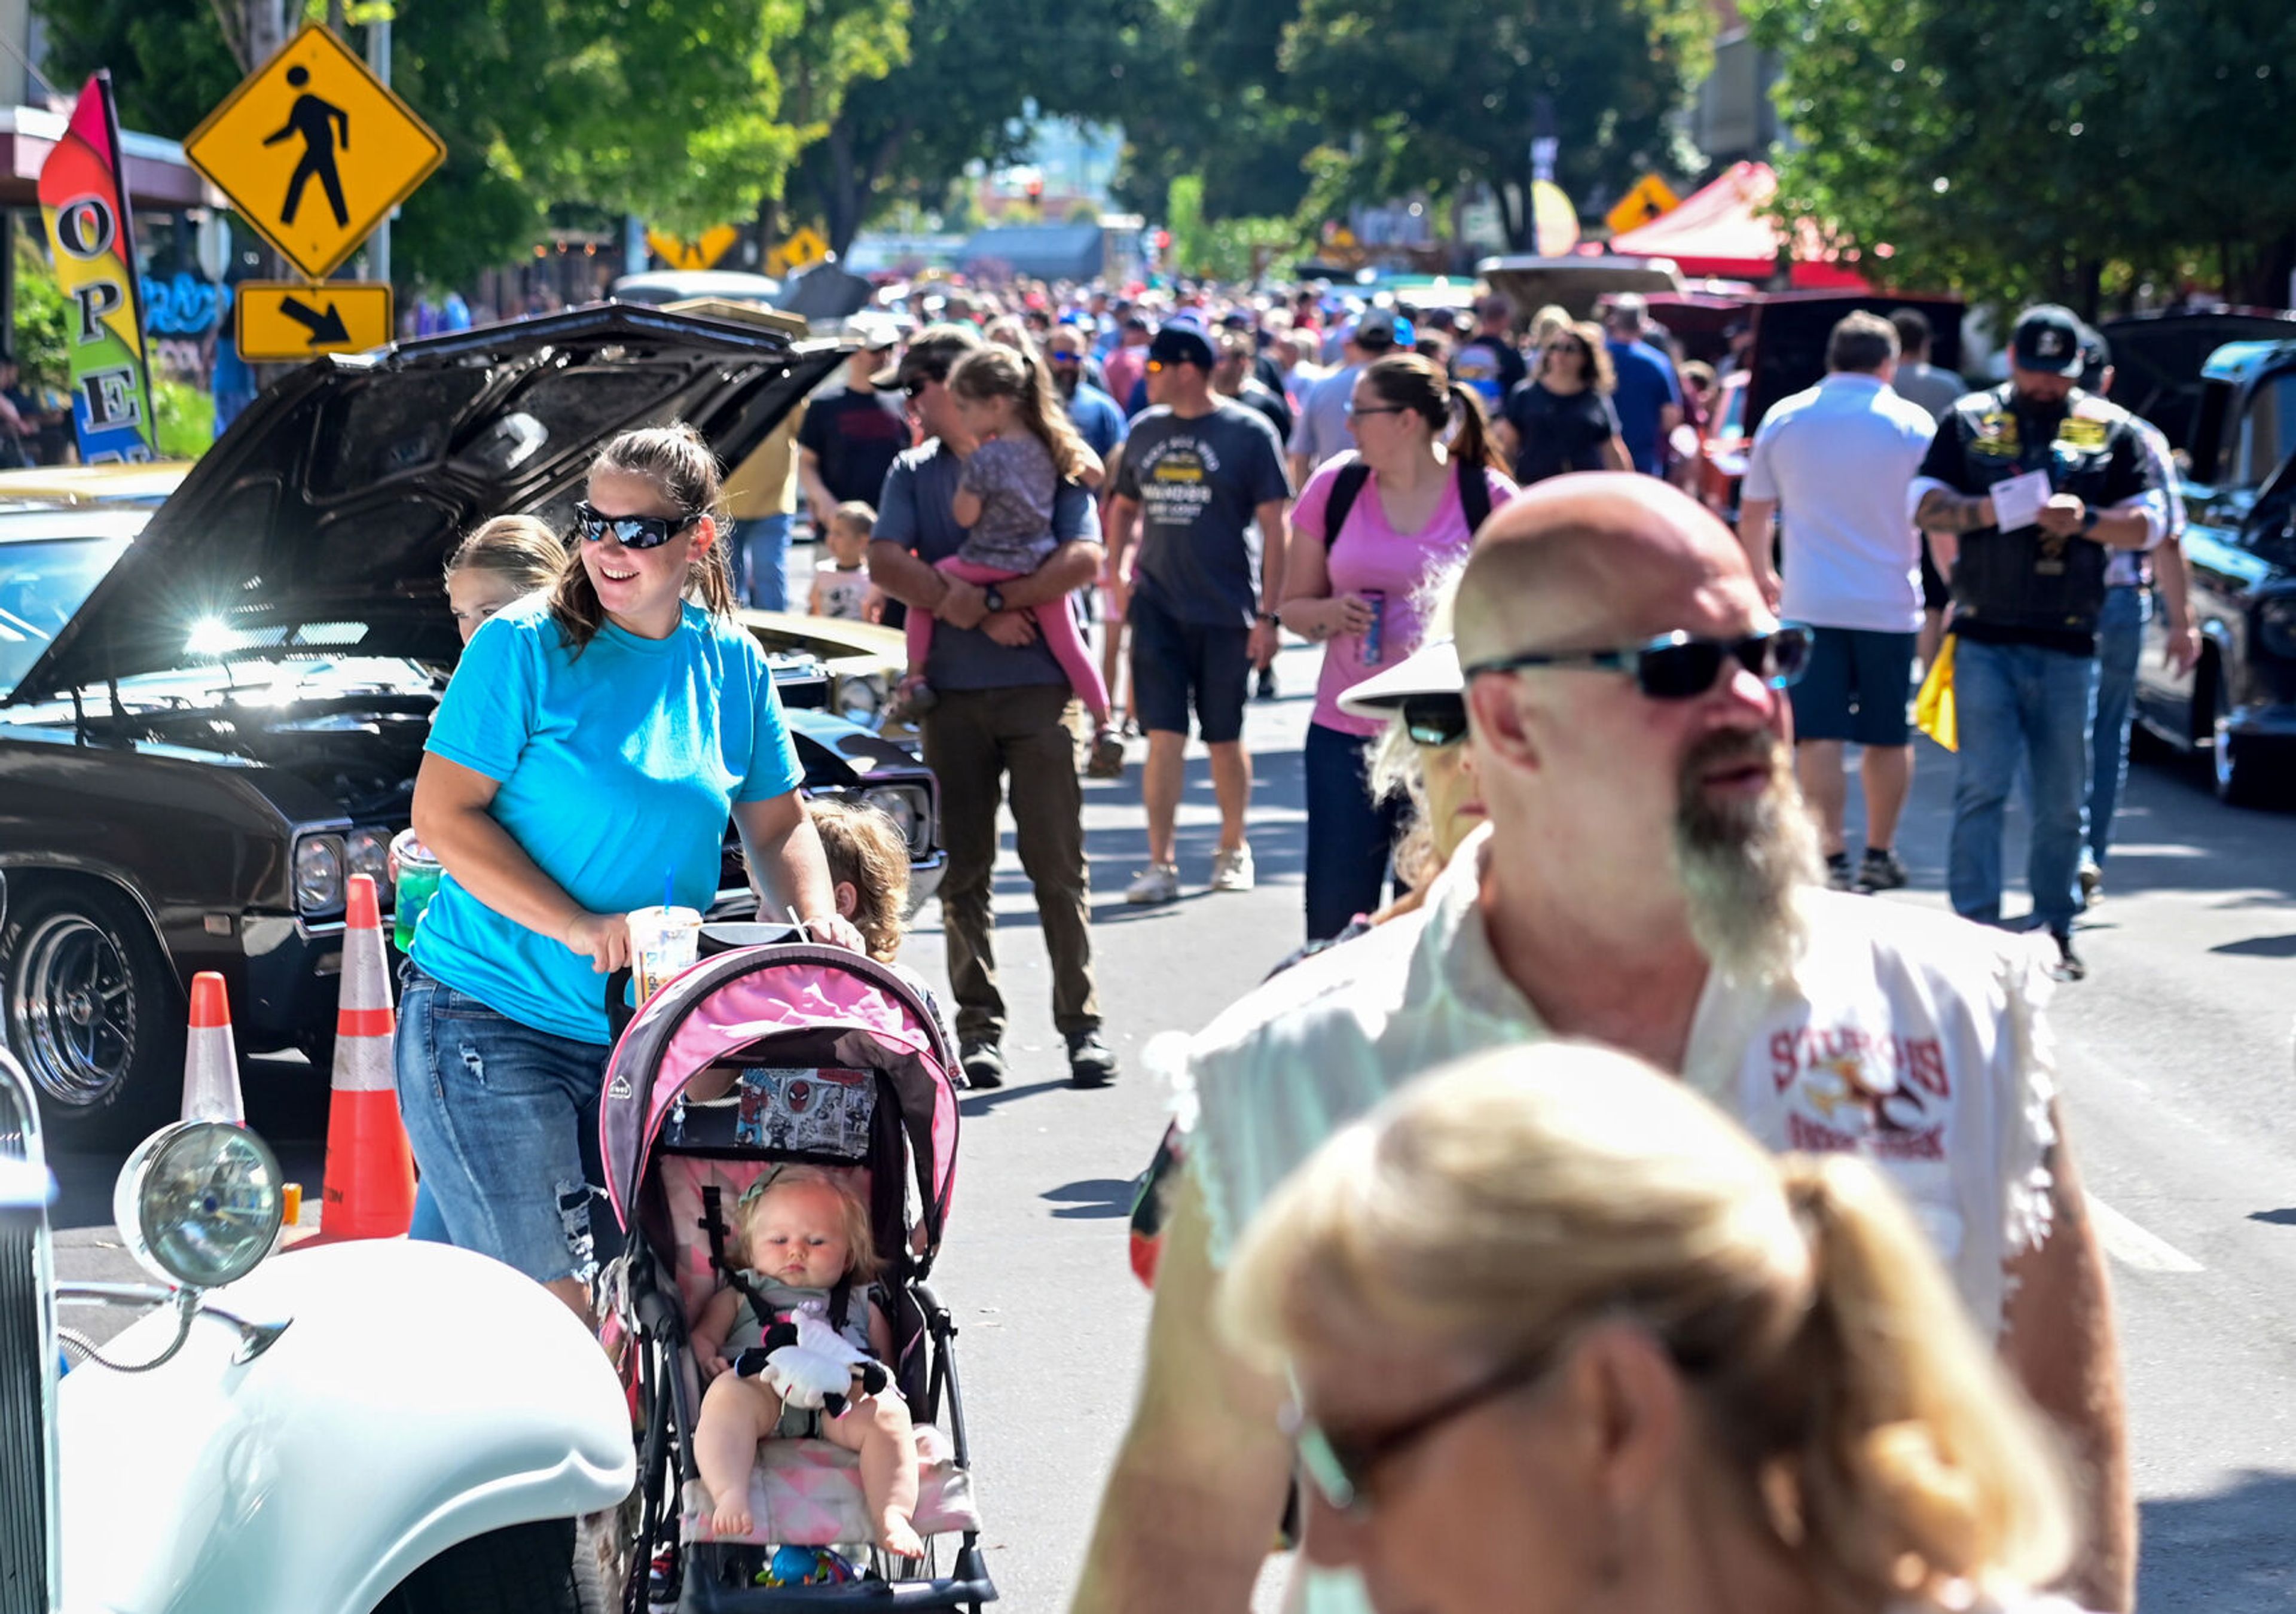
(806, 1238)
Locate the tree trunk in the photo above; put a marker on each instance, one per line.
(255, 29)
(2266, 286)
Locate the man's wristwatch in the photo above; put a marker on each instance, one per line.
(993, 597)
(2089, 518)
(1268, 617)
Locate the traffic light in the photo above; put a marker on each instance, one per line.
(1035, 189)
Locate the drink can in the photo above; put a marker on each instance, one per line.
(418, 882)
(1374, 632)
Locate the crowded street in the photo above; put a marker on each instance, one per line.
(2172, 1054)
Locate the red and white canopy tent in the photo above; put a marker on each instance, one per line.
(1721, 230)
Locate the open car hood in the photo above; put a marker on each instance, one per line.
(2157, 359)
(322, 521)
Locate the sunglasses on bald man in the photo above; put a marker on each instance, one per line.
(1679, 666)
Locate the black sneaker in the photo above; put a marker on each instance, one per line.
(1838, 875)
(2069, 962)
(1267, 691)
(1881, 870)
(1091, 1062)
(983, 1061)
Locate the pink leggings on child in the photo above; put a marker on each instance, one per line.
(1055, 620)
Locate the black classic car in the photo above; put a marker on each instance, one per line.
(2232, 418)
(211, 713)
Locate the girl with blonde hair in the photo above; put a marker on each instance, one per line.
(1564, 1338)
(501, 560)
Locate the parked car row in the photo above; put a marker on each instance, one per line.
(214, 698)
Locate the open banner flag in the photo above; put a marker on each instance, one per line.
(84, 197)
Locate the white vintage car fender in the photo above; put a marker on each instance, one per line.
(421, 1396)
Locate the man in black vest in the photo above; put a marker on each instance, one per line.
(2026, 486)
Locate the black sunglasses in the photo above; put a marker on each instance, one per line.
(1679, 666)
(1436, 720)
(1340, 1467)
(631, 532)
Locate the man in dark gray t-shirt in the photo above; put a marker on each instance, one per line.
(1001, 711)
(1202, 485)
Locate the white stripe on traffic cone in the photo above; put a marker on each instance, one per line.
(370, 1184)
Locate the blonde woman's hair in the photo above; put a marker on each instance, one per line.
(864, 849)
(676, 460)
(1497, 1207)
(860, 1238)
(520, 548)
(1546, 322)
(993, 372)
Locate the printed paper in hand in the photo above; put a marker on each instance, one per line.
(2017, 502)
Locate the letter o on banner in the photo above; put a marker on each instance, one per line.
(84, 227)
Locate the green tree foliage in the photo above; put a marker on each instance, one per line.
(975, 69)
(1205, 98)
(1444, 95)
(2067, 151)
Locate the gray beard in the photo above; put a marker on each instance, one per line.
(1741, 864)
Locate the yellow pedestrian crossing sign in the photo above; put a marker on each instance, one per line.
(804, 245)
(702, 252)
(285, 322)
(315, 151)
(1652, 198)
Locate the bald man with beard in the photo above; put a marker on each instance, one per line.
(1648, 879)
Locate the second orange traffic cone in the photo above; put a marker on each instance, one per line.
(370, 1184)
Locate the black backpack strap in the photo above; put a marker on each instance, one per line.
(840, 1302)
(1474, 497)
(1347, 487)
(713, 1223)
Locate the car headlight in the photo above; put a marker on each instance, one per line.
(198, 1203)
(859, 699)
(2275, 625)
(368, 852)
(909, 809)
(318, 873)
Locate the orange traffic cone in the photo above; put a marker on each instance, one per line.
(210, 1058)
(370, 1182)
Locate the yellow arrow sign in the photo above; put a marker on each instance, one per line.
(1652, 198)
(691, 254)
(315, 151)
(806, 245)
(285, 321)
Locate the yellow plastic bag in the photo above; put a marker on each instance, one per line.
(1933, 707)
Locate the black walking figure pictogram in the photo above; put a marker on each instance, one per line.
(316, 120)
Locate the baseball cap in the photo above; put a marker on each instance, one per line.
(1181, 344)
(929, 356)
(1432, 669)
(875, 333)
(1383, 328)
(2048, 339)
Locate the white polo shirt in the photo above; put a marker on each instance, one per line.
(1838, 460)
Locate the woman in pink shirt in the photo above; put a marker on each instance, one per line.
(1406, 508)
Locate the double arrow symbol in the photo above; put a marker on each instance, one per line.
(325, 328)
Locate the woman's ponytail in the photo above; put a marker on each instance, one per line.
(1895, 1461)
(1471, 438)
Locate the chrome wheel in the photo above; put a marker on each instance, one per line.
(73, 1009)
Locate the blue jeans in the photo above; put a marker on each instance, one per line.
(2119, 645)
(2015, 702)
(1349, 840)
(497, 1112)
(760, 549)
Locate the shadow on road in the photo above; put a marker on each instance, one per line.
(1093, 1198)
(2226, 1551)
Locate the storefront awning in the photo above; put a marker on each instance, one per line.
(158, 176)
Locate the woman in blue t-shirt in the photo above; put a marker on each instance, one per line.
(585, 758)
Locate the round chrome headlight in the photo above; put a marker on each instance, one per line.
(198, 1203)
(896, 804)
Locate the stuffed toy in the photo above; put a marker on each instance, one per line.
(810, 1365)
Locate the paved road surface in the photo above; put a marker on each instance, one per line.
(2175, 1056)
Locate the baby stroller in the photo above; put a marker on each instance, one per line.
(838, 1063)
